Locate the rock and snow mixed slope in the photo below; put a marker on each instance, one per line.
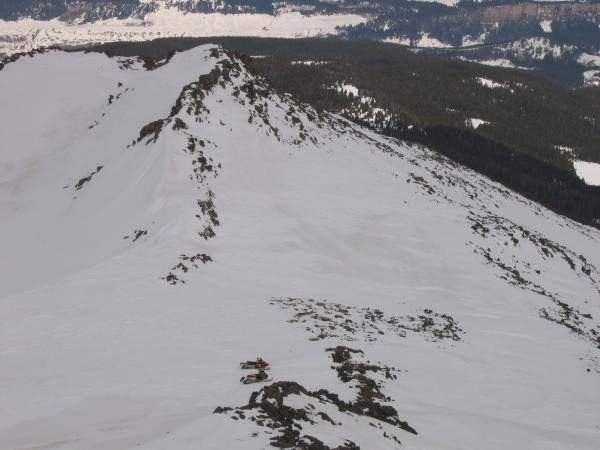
(159, 226)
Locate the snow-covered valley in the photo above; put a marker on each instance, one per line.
(28, 34)
(160, 226)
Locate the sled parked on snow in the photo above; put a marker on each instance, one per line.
(255, 378)
(258, 364)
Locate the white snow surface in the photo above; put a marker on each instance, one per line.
(99, 352)
(588, 172)
(476, 123)
(28, 34)
(589, 60)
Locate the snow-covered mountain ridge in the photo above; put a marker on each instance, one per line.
(162, 225)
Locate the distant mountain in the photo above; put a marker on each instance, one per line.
(548, 37)
(31, 25)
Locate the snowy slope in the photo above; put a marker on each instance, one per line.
(226, 222)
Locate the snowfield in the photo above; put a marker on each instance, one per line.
(588, 60)
(588, 172)
(160, 226)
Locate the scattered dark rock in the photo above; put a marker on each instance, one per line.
(153, 128)
(179, 125)
(333, 320)
(268, 409)
(87, 179)
(183, 266)
(138, 234)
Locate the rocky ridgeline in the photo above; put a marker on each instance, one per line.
(190, 105)
(184, 265)
(286, 410)
(248, 90)
(234, 75)
(325, 320)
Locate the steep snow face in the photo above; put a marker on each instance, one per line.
(159, 226)
(28, 34)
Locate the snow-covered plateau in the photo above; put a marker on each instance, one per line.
(160, 226)
(28, 34)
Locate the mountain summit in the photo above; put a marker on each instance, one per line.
(163, 221)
